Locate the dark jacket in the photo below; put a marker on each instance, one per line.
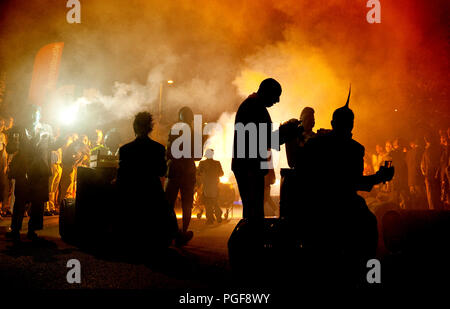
(251, 112)
(338, 163)
(30, 165)
(141, 164)
(210, 171)
(331, 209)
(401, 169)
(430, 162)
(184, 167)
(413, 158)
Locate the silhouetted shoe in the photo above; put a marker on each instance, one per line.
(48, 213)
(183, 238)
(32, 236)
(15, 236)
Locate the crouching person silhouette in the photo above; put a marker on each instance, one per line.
(341, 232)
(150, 222)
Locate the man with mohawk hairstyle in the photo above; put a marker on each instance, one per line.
(337, 225)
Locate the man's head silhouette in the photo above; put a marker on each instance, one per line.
(209, 153)
(143, 124)
(388, 146)
(186, 115)
(269, 92)
(343, 118)
(307, 119)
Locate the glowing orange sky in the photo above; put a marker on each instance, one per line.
(215, 51)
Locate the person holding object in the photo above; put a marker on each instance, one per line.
(295, 146)
(336, 221)
(30, 143)
(253, 138)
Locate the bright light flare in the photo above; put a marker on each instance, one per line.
(170, 82)
(224, 179)
(68, 115)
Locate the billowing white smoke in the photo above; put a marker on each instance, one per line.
(221, 141)
(126, 99)
(205, 95)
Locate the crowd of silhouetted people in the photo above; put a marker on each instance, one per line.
(74, 151)
(39, 166)
(421, 178)
(39, 171)
(319, 193)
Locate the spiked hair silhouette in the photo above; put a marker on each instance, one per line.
(343, 117)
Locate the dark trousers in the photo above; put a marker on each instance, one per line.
(433, 193)
(445, 188)
(212, 209)
(186, 189)
(270, 208)
(251, 189)
(22, 197)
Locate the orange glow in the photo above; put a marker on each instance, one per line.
(313, 48)
(194, 216)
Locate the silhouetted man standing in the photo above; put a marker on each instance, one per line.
(30, 144)
(181, 172)
(246, 163)
(400, 181)
(210, 171)
(252, 142)
(430, 169)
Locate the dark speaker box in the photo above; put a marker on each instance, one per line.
(418, 231)
(89, 217)
(67, 225)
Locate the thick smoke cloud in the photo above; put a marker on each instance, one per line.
(217, 52)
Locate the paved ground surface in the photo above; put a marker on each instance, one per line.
(203, 263)
(200, 266)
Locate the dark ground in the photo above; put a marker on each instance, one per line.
(202, 263)
(200, 266)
